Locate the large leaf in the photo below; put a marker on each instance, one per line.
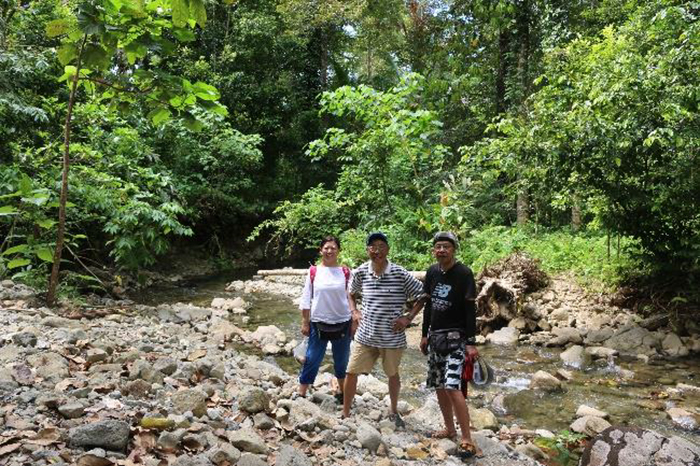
(45, 254)
(67, 53)
(159, 115)
(206, 91)
(181, 12)
(96, 57)
(198, 11)
(57, 27)
(7, 210)
(13, 264)
(16, 249)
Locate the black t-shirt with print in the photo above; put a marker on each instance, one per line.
(451, 303)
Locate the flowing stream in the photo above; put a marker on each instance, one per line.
(641, 400)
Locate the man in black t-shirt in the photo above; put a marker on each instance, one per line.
(452, 290)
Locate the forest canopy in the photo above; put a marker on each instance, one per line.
(566, 129)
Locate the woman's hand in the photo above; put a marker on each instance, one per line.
(355, 323)
(401, 323)
(424, 345)
(305, 328)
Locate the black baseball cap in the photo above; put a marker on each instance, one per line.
(446, 236)
(377, 235)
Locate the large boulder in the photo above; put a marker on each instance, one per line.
(633, 446)
(589, 425)
(369, 437)
(483, 419)
(633, 340)
(575, 357)
(253, 400)
(504, 336)
(544, 381)
(110, 435)
(673, 346)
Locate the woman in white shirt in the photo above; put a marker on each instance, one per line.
(325, 311)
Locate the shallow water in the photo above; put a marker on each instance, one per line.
(639, 401)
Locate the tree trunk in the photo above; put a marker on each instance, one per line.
(60, 235)
(523, 22)
(503, 40)
(576, 213)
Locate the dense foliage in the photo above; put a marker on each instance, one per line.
(566, 129)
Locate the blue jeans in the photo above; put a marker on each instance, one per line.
(317, 349)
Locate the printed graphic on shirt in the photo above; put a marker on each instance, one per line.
(442, 290)
(439, 300)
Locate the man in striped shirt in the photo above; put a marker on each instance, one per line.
(384, 288)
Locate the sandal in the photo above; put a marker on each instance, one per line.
(470, 449)
(440, 434)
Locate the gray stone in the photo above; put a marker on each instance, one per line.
(224, 453)
(110, 435)
(9, 353)
(531, 450)
(197, 460)
(601, 352)
(71, 410)
(24, 339)
(249, 459)
(684, 419)
(49, 366)
(574, 357)
(504, 336)
(544, 381)
(369, 437)
(633, 446)
(633, 340)
(290, 456)
(169, 441)
(565, 335)
(61, 322)
(584, 410)
(253, 400)
(144, 370)
(263, 421)
(94, 355)
(673, 346)
(7, 382)
(167, 366)
(191, 399)
(483, 419)
(596, 337)
(589, 425)
(247, 439)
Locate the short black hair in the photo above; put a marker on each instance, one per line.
(328, 239)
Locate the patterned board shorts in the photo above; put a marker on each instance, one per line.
(445, 372)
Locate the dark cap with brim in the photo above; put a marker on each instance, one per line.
(377, 235)
(446, 236)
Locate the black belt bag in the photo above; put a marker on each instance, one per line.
(332, 331)
(447, 340)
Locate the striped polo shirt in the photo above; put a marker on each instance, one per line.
(383, 298)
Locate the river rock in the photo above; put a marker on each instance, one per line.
(531, 450)
(504, 336)
(574, 357)
(688, 388)
(247, 439)
(109, 434)
(673, 346)
(71, 410)
(253, 400)
(95, 355)
(367, 383)
(9, 353)
(544, 381)
(269, 338)
(683, 418)
(601, 352)
(428, 416)
(196, 460)
(49, 366)
(483, 419)
(61, 322)
(290, 456)
(369, 437)
(7, 381)
(191, 399)
(563, 315)
(166, 365)
(224, 330)
(224, 454)
(589, 425)
(584, 410)
(142, 369)
(564, 336)
(26, 339)
(596, 337)
(633, 446)
(236, 306)
(633, 340)
(250, 459)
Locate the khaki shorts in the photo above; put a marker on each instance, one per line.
(363, 358)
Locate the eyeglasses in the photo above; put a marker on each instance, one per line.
(379, 248)
(439, 247)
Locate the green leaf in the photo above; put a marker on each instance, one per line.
(159, 115)
(67, 53)
(69, 72)
(96, 56)
(16, 249)
(184, 34)
(206, 91)
(46, 223)
(198, 11)
(57, 27)
(25, 185)
(181, 10)
(45, 254)
(7, 210)
(192, 123)
(13, 264)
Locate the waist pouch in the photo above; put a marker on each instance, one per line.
(332, 331)
(447, 340)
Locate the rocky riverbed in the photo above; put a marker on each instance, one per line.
(122, 383)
